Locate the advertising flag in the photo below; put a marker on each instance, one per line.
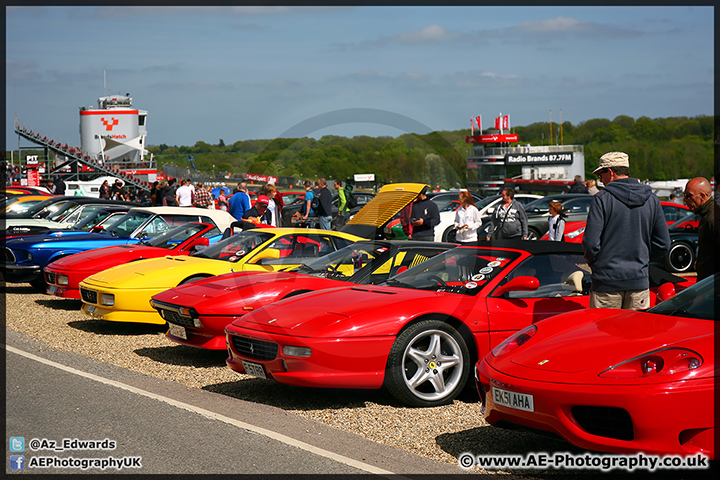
(506, 122)
(478, 119)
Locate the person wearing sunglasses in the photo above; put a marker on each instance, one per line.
(625, 229)
(698, 197)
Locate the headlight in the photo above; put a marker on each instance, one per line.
(290, 351)
(514, 341)
(107, 299)
(666, 361)
(62, 280)
(576, 233)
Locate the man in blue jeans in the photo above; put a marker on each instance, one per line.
(324, 211)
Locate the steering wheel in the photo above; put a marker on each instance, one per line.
(439, 280)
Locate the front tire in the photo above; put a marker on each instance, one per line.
(680, 258)
(428, 364)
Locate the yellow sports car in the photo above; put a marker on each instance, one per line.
(122, 293)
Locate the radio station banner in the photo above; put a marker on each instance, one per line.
(506, 138)
(364, 177)
(538, 158)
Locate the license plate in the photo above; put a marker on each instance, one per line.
(177, 331)
(520, 401)
(254, 369)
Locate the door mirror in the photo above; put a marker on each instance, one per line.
(665, 291)
(517, 284)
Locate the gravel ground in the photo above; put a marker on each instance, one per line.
(440, 433)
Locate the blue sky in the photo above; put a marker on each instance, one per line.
(238, 73)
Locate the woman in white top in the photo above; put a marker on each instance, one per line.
(273, 206)
(467, 219)
(556, 222)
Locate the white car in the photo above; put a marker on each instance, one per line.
(445, 230)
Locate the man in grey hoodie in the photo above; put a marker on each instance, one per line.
(625, 229)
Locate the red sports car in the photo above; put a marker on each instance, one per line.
(618, 381)
(197, 313)
(64, 275)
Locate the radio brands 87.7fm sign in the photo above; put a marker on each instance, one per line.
(538, 158)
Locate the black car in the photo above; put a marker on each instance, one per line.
(575, 208)
(59, 206)
(683, 246)
(312, 221)
(93, 221)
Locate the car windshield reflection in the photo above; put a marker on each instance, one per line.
(462, 270)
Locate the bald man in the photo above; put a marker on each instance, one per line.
(698, 197)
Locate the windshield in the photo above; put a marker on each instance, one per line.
(58, 215)
(236, 247)
(344, 263)
(486, 201)
(697, 301)
(176, 236)
(681, 223)
(128, 223)
(16, 207)
(45, 208)
(91, 220)
(460, 270)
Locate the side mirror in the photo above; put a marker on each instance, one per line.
(665, 291)
(200, 242)
(271, 253)
(97, 229)
(517, 284)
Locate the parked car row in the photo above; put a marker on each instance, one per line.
(344, 309)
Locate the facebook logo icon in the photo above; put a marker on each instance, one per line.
(17, 462)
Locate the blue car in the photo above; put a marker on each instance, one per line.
(26, 256)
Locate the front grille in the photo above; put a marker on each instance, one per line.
(9, 256)
(174, 317)
(88, 296)
(252, 348)
(50, 278)
(608, 422)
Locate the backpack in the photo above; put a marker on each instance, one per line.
(316, 200)
(350, 199)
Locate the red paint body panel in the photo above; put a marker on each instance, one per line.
(561, 366)
(79, 266)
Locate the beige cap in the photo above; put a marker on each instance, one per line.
(613, 159)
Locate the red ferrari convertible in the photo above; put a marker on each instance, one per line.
(420, 332)
(618, 381)
(198, 312)
(64, 275)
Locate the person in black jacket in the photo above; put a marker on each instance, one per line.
(324, 211)
(578, 186)
(425, 216)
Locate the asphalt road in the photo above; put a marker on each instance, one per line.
(162, 427)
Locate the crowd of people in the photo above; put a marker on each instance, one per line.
(625, 227)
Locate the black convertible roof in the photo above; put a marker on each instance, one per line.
(533, 246)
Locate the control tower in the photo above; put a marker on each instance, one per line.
(115, 132)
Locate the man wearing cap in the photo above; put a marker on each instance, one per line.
(258, 213)
(698, 197)
(625, 229)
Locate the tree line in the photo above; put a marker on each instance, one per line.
(659, 149)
